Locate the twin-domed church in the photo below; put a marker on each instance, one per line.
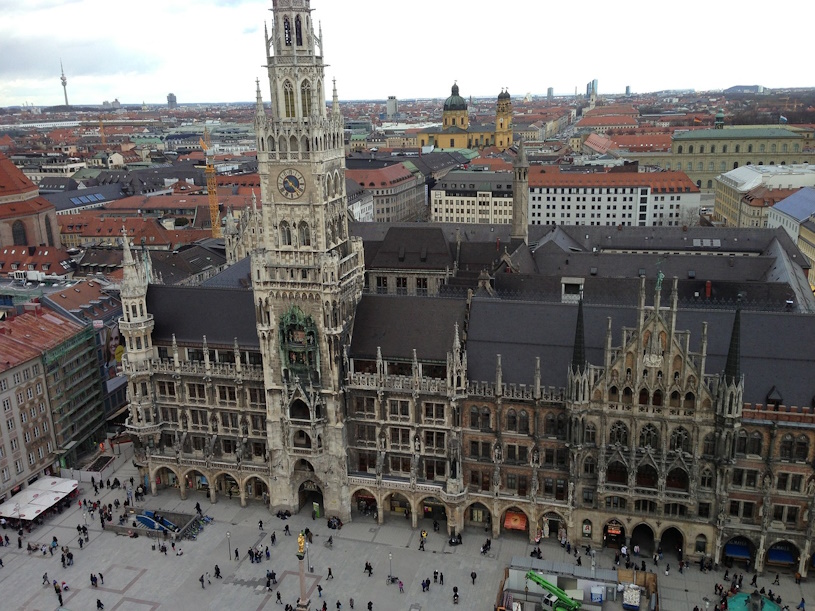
(457, 131)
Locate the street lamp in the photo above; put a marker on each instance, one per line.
(308, 562)
(85, 517)
(390, 565)
(229, 545)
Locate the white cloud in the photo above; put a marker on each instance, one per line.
(212, 50)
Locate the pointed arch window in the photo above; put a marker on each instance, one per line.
(474, 417)
(288, 99)
(512, 420)
(305, 98)
(305, 234)
(619, 433)
(523, 422)
(18, 234)
(287, 31)
(298, 31)
(801, 448)
(680, 440)
(285, 234)
(49, 233)
(754, 444)
(589, 466)
(709, 445)
(649, 436)
(590, 434)
(785, 451)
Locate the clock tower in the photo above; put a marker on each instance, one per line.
(307, 273)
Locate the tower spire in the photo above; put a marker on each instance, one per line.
(260, 114)
(579, 351)
(335, 100)
(732, 369)
(520, 196)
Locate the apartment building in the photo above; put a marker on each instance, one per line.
(649, 199)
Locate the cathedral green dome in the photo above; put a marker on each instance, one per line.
(455, 101)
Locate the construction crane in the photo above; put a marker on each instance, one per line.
(212, 187)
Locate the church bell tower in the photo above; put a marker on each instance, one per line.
(307, 273)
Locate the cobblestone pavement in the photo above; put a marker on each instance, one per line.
(140, 579)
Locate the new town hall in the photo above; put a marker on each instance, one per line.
(610, 385)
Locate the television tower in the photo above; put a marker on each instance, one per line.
(64, 80)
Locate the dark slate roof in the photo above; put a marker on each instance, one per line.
(177, 266)
(398, 325)
(236, 276)
(91, 196)
(418, 247)
(192, 312)
(521, 331)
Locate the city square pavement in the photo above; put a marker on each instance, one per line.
(136, 578)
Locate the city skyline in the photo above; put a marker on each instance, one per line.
(170, 46)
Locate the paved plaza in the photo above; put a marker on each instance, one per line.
(136, 578)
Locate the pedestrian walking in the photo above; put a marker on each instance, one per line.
(99, 604)
(801, 605)
(775, 582)
(330, 574)
(286, 531)
(102, 578)
(319, 591)
(237, 555)
(473, 576)
(435, 577)
(208, 581)
(441, 579)
(401, 587)
(754, 580)
(370, 606)
(339, 605)
(217, 572)
(45, 579)
(274, 537)
(201, 579)
(279, 602)
(260, 524)
(273, 575)
(269, 584)
(351, 603)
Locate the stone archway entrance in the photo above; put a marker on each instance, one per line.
(739, 549)
(783, 555)
(310, 498)
(673, 543)
(433, 509)
(227, 485)
(364, 505)
(256, 488)
(397, 505)
(551, 526)
(165, 478)
(643, 536)
(614, 534)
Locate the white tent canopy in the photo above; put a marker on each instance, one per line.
(37, 497)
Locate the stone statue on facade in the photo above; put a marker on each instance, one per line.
(571, 494)
(414, 469)
(533, 490)
(497, 453)
(496, 479)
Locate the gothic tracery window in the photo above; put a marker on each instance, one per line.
(18, 234)
(305, 234)
(286, 31)
(285, 234)
(305, 98)
(288, 99)
(619, 433)
(680, 440)
(298, 31)
(649, 436)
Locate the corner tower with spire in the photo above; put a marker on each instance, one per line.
(307, 272)
(520, 196)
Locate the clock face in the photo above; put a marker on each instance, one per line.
(291, 184)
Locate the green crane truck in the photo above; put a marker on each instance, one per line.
(556, 599)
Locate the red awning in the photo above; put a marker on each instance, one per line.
(515, 521)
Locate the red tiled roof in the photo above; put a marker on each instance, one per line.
(540, 176)
(28, 335)
(599, 143)
(762, 196)
(380, 177)
(612, 109)
(607, 121)
(495, 164)
(12, 180)
(643, 142)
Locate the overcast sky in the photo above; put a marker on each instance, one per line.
(212, 50)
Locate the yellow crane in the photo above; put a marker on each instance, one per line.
(212, 187)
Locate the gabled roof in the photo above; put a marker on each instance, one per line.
(412, 248)
(800, 205)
